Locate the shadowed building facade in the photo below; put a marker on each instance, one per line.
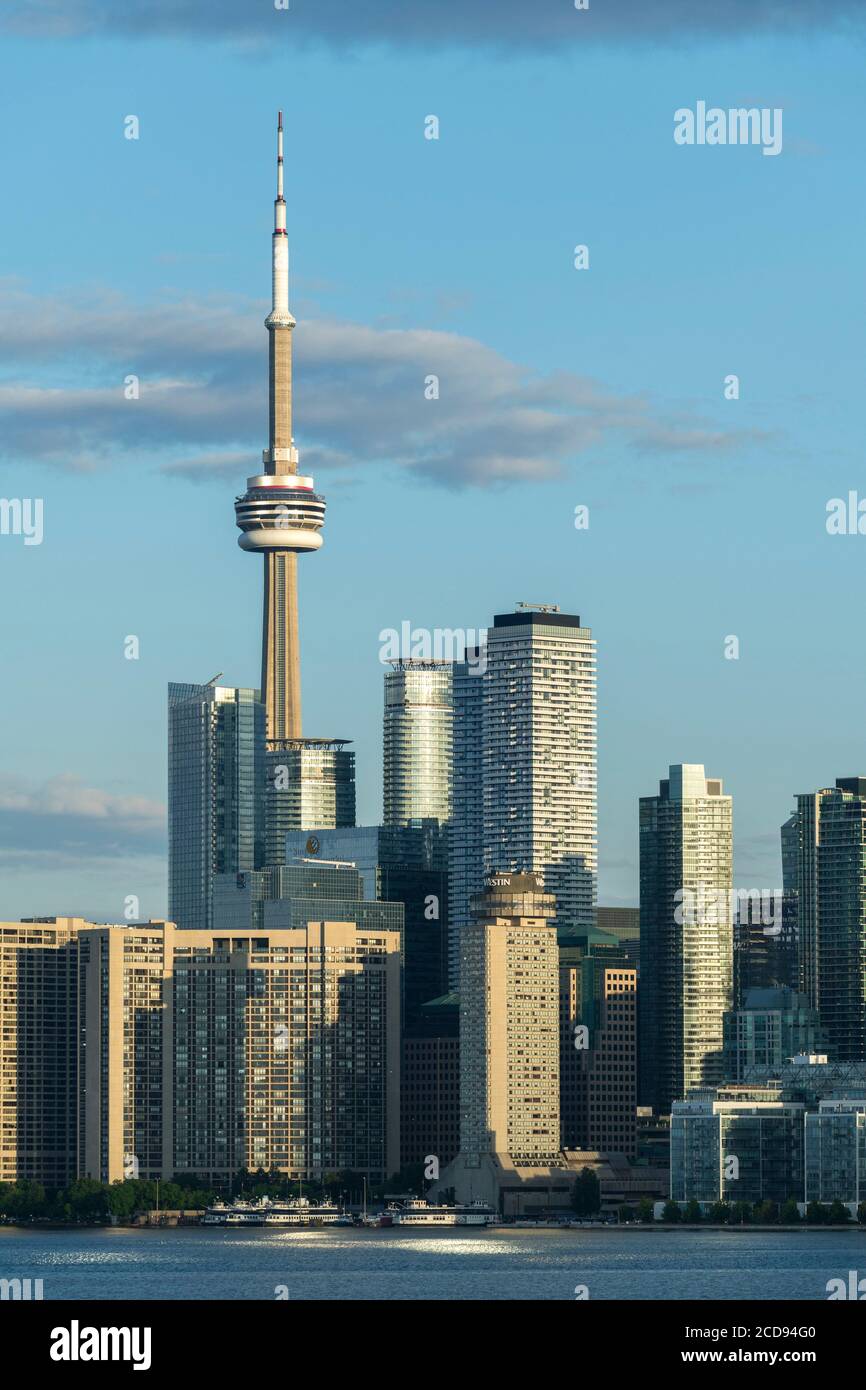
(831, 906)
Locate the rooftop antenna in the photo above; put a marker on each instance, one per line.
(213, 680)
(540, 607)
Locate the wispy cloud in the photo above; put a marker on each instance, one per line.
(363, 393)
(518, 25)
(63, 823)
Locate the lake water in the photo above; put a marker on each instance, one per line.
(343, 1264)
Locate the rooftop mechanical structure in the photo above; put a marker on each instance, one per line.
(280, 515)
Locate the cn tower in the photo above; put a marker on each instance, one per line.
(280, 516)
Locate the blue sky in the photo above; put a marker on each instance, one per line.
(557, 388)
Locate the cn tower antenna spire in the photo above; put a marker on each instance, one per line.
(280, 197)
(279, 315)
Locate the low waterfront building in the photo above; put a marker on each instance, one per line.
(789, 1132)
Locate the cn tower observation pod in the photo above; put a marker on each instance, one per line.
(280, 512)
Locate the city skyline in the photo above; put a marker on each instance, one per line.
(82, 810)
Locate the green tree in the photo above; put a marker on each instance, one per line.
(671, 1212)
(720, 1213)
(741, 1214)
(838, 1214)
(692, 1212)
(88, 1199)
(861, 1213)
(586, 1193)
(767, 1213)
(816, 1214)
(645, 1210)
(24, 1201)
(790, 1213)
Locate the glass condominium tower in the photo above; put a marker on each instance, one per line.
(686, 935)
(525, 765)
(216, 773)
(831, 896)
(417, 744)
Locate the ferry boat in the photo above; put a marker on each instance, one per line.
(418, 1212)
(299, 1211)
(237, 1214)
(293, 1211)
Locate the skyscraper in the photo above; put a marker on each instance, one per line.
(509, 1023)
(598, 1044)
(539, 752)
(310, 785)
(216, 779)
(417, 742)
(686, 943)
(832, 912)
(525, 731)
(399, 864)
(465, 836)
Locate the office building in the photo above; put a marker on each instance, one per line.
(216, 777)
(686, 946)
(398, 864)
(430, 1079)
(310, 785)
(598, 1045)
(624, 924)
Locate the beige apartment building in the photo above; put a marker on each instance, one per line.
(197, 1052)
(38, 992)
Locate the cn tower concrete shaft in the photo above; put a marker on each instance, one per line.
(280, 514)
(281, 660)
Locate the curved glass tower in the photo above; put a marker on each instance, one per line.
(418, 742)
